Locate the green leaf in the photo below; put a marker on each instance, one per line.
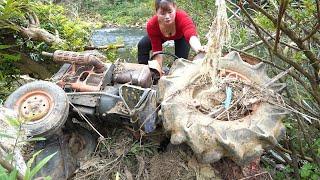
(27, 175)
(14, 122)
(10, 57)
(306, 170)
(298, 57)
(305, 173)
(3, 46)
(315, 177)
(13, 175)
(6, 136)
(41, 164)
(36, 139)
(31, 160)
(47, 178)
(3, 173)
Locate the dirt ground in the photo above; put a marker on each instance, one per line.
(122, 156)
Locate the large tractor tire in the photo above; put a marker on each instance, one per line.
(42, 105)
(242, 139)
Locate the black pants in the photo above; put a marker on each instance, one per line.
(182, 49)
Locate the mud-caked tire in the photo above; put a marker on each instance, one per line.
(242, 139)
(42, 106)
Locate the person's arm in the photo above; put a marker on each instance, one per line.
(156, 43)
(158, 57)
(190, 32)
(196, 44)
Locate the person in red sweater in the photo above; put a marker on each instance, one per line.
(169, 23)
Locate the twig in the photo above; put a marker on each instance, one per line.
(295, 76)
(79, 112)
(294, 162)
(314, 31)
(226, 110)
(314, 38)
(282, 9)
(309, 141)
(317, 26)
(253, 176)
(277, 77)
(289, 108)
(252, 28)
(101, 168)
(106, 47)
(298, 67)
(9, 167)
(307, 52)
(251, 46)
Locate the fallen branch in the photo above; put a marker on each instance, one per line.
(106, 47)
(256, 175)
(34, 32)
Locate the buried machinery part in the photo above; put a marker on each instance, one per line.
(42, 105)
(242, 139)
(70, 146)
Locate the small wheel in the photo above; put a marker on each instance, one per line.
(81, 142)
(42, 105)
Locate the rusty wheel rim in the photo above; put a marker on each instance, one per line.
(34, 106)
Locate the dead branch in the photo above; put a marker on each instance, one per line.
(298, 67)
(9, 167)
(282, 9)
(307, 52)
(257, 176)
(106, 47)
(298, 106)
(251, 46)
(317, 26)
(314, 31)
(277, 77)
(294, 161)
(308, 140)
(279, 148)
(314, 38)
(252, 28)
(34, 32)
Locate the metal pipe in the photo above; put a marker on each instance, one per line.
(94, 93)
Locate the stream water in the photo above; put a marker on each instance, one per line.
(128, 36)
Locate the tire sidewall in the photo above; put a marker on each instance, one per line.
(57, 115)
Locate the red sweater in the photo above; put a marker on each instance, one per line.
(184, 27)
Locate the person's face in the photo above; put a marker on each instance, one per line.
(167, 14)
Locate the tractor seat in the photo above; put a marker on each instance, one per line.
(137, 74)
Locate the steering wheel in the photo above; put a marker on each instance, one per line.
(166, 53)
(155, 74)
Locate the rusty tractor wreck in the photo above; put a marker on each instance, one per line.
(127, 93)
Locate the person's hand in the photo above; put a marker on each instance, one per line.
(196, 45)
(202, 49)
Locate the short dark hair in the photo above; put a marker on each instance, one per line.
(163, 3)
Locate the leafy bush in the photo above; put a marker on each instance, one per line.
(54, 18)
(15, 137)
(75, 32)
